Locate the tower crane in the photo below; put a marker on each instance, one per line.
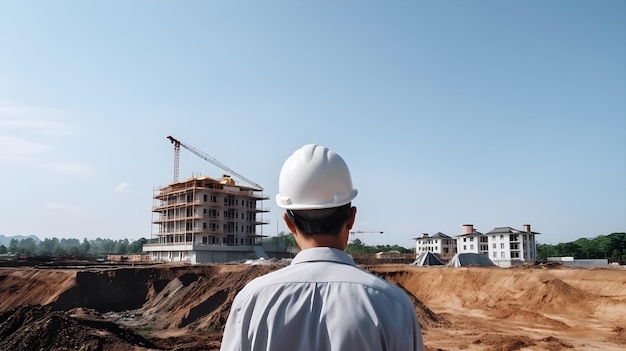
(365, 232)
(177, 144)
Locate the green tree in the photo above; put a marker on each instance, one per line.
(28, 246)
(288, 240)
(85, 246)
(121, 247)
(47, 246)
(585, 245)
(136, 247)
(59, 251)
(3, 250)
(546, 250)
(603, 243)
(74, 251)
(356, 247)
(13, 245)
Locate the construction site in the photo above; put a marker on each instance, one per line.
(207, 245)
(180, 307)
(208, 220)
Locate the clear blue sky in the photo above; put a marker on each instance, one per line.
(492, 113)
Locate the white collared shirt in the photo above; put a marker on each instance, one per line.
(322, 301)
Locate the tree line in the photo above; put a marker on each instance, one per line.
(355, 247)
(612, 246)
(73, 247)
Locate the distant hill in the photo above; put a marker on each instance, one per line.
(5, 240)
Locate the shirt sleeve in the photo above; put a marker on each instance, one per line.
(231, 340)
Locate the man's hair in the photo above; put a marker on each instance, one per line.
(320, 221)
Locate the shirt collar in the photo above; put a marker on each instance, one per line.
(322, 254)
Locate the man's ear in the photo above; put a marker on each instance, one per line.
(350, 221)
(290, 225)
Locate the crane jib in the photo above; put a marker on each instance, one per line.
(177, 144)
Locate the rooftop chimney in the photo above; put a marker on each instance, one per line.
(425, 235)
(468, 228)
(527, 228)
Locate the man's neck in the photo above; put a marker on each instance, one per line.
(320, 240)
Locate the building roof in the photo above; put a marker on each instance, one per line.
(469, 259)
(508, 230)
(474, 233)
(428, 259)
(438, 235)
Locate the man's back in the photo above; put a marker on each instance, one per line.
(322, 302)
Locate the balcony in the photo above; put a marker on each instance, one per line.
(172, 204)
(189, 246)
(163, 219)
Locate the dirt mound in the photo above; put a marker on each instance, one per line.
(427, 318)
(32, 287)
(504, 342)
(554, 294)
(200, 301)
(515, 343)
(184, 308)
(523, 317)
(619, 335)
(31, 328)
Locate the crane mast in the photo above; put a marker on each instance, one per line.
(177, 144)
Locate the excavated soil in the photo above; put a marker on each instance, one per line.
(184, 308)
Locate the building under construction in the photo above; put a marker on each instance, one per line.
(203, 219)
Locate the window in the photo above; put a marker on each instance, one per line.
(494, 245)
(502, 245)
(472, 239)
(495, 255)
(501, 237)
(472, 247)
(502, 254)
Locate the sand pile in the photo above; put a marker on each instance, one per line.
(41, 328)
(184, 308)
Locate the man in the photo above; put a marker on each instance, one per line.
(322, 301)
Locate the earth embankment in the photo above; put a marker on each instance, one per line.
(183, 307)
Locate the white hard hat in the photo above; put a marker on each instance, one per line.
(314, 177)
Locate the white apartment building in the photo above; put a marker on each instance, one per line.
(202, 219)
(441, 244)
(510, 247)
(505, 246)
